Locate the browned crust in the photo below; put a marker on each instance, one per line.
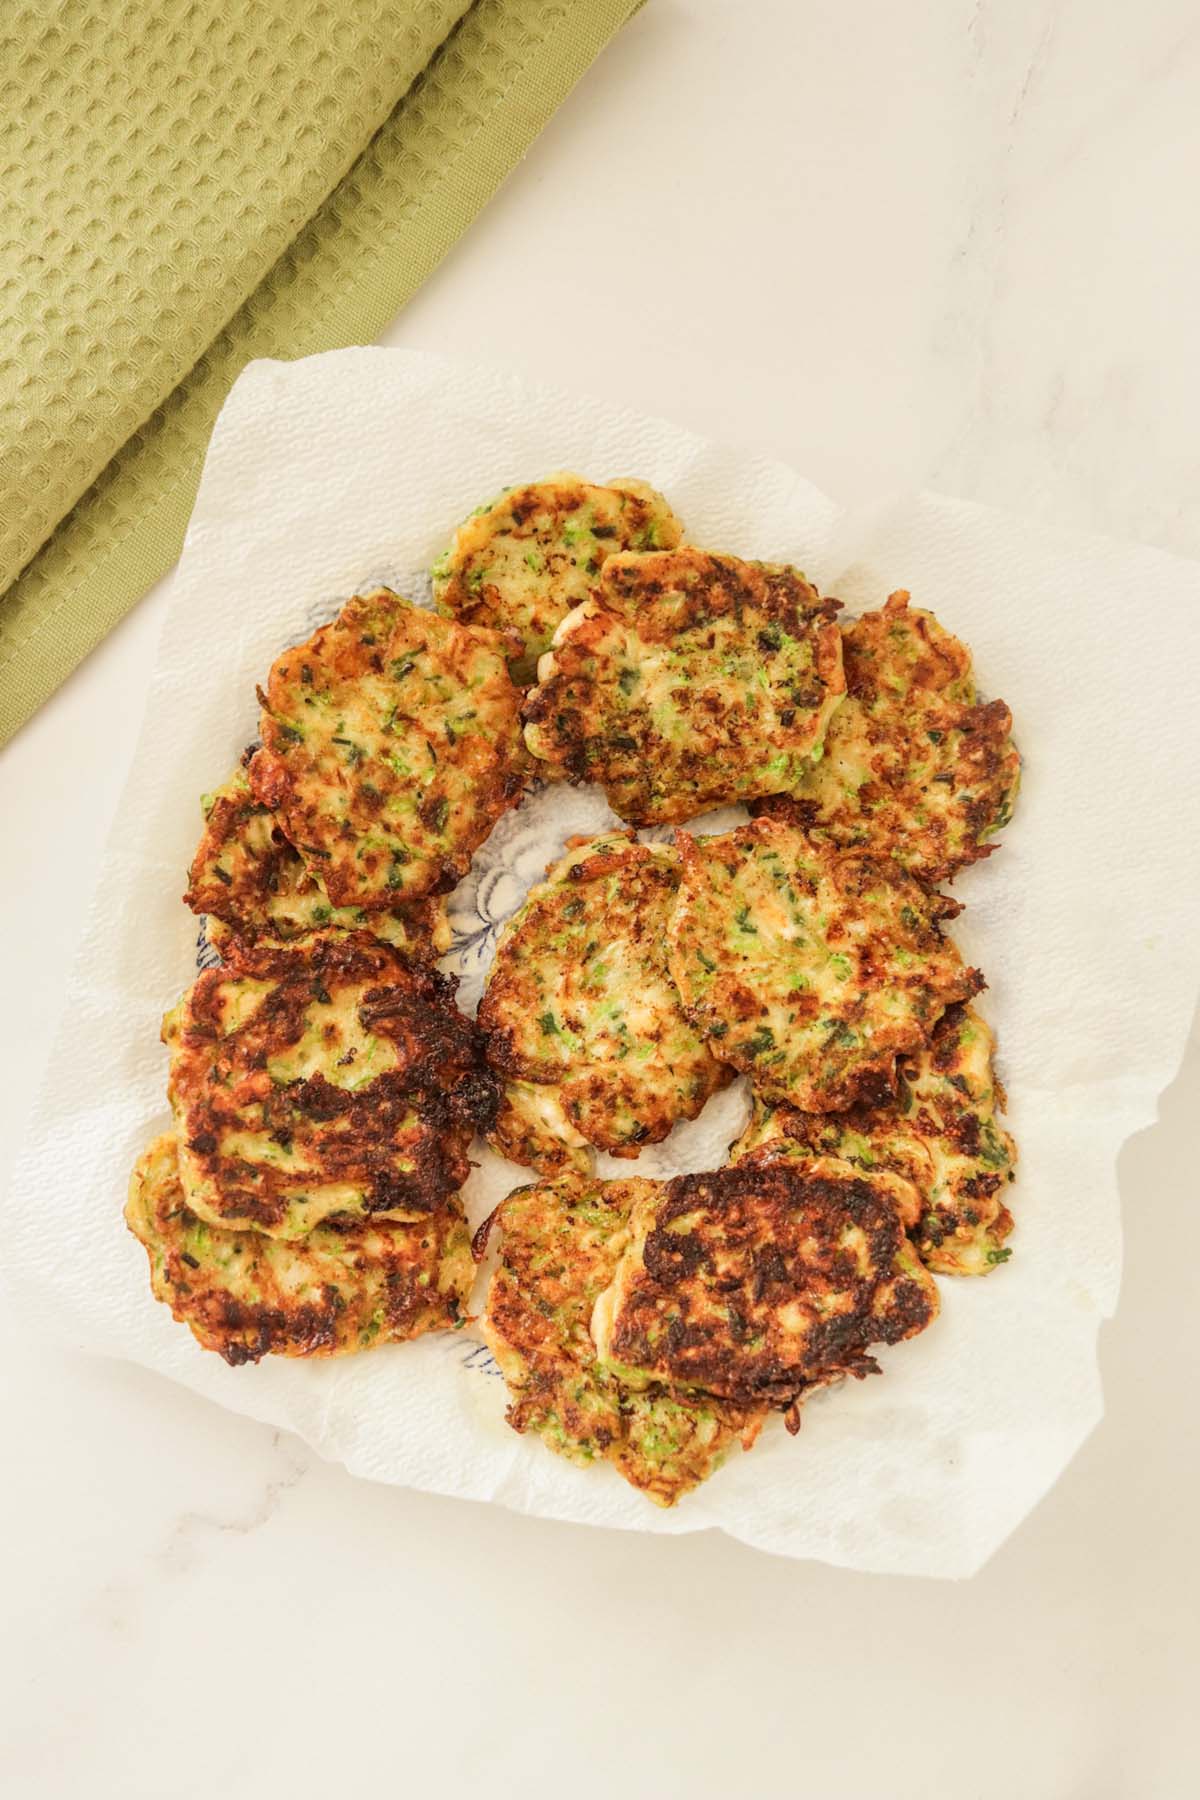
(389, 1290)
(440, 1074)
(243, 1332)
(703, 1308)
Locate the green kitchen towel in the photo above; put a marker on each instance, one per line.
(185, 185)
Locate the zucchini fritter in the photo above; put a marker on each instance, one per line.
(391, 745)
(523, 562)
(810, 969)
(913, 767)
(559, 1250)
(252, 885)
(756, 1282)
(940, 1132)
(329, 1078)
(581, 1016)
(344, 1288)
(692, 681)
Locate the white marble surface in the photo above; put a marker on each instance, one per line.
(947, 245)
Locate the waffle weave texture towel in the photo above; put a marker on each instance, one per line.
(185, 185)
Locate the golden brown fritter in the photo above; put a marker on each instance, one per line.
(810, 969)
(940, 1131)
(327, 1079)
(520, 564)
(756, 1282)
(581, 1016)
(343, 1288)
(914, 767)
(253, 887)
(558, 1251)
(391, 745)
(556, 1255)
(692, 681)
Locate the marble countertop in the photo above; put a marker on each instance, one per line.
(948, 246)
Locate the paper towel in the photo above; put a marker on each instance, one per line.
(327, 476)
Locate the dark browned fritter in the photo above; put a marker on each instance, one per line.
(328, 1079)
(342, 1288)
(391, 745)
(756, 1282)
(914, 766)
(693, 681)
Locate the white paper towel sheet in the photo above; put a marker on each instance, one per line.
(330, 475)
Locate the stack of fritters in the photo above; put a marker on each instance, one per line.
(805, 951)
(344, 1286)
(325, 1086)
(655, 1324)
(324, 1095)
(939, 1130)
(559, 1249)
